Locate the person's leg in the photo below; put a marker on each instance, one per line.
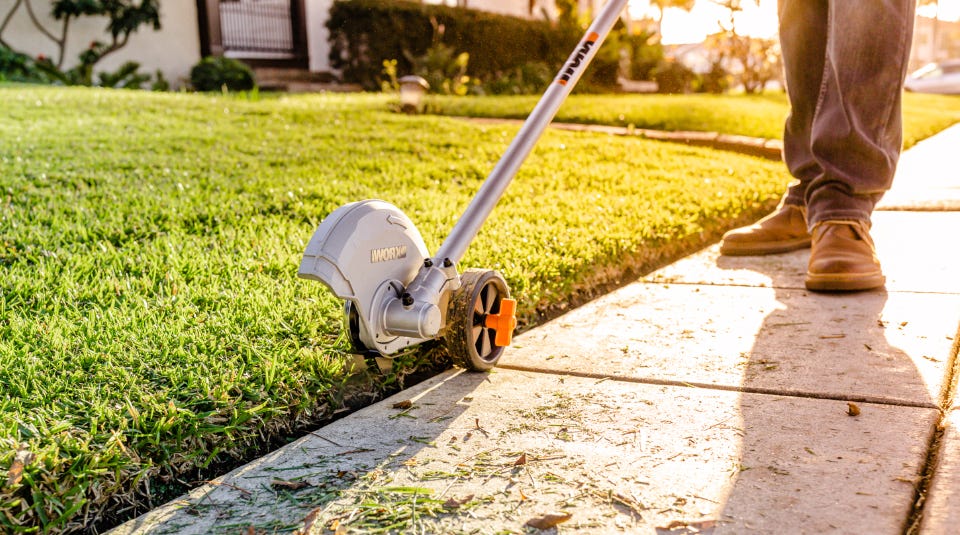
(803, 34)
(856, 131)
(856, 138)
(803, 42)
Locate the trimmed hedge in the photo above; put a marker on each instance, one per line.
(364, 33)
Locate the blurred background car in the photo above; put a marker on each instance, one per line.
(941, 77)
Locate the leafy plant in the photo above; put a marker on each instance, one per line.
(440, 65)
(526, 79)
(17, 67)
(444, 69)
(127, 76)
(124, 17)
(160, 82)
(389, 83)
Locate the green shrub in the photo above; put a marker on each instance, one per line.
(716, 80)
(213, 73)
(673, 77)
(365, 33)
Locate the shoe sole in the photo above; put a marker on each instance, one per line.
(844, 282)
(764, 248)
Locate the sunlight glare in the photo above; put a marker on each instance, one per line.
(705, 18)
(949, 10)
(760, 21)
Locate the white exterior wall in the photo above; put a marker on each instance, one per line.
(174, 49)
(318, 44)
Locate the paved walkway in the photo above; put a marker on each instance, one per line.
(713, 396)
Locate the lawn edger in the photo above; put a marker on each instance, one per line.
(396, 294)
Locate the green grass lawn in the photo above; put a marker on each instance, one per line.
(749, 115)
(152, 328)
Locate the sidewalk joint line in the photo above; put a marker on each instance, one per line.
(727, 388)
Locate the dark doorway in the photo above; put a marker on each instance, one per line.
(259, 32)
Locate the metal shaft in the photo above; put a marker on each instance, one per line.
(496, 183)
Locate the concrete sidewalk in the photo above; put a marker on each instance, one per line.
(716, 395)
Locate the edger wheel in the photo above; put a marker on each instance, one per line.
(352, 324)
(469, 341)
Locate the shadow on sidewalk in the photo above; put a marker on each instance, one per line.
(831, 443)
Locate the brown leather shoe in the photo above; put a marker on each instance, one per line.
(843, 258)
(782, 231)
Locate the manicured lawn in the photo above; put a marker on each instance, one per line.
(152, 328)
(748, 115)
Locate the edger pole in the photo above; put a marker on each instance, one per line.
(496, 183)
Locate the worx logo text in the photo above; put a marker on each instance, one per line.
(577, 60)
(388, 253)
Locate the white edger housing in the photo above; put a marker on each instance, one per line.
(367, 252)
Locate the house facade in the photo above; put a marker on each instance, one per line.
(285, 34)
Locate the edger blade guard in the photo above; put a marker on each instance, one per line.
(367, 252)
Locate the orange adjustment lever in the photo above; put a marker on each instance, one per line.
(504, 322)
